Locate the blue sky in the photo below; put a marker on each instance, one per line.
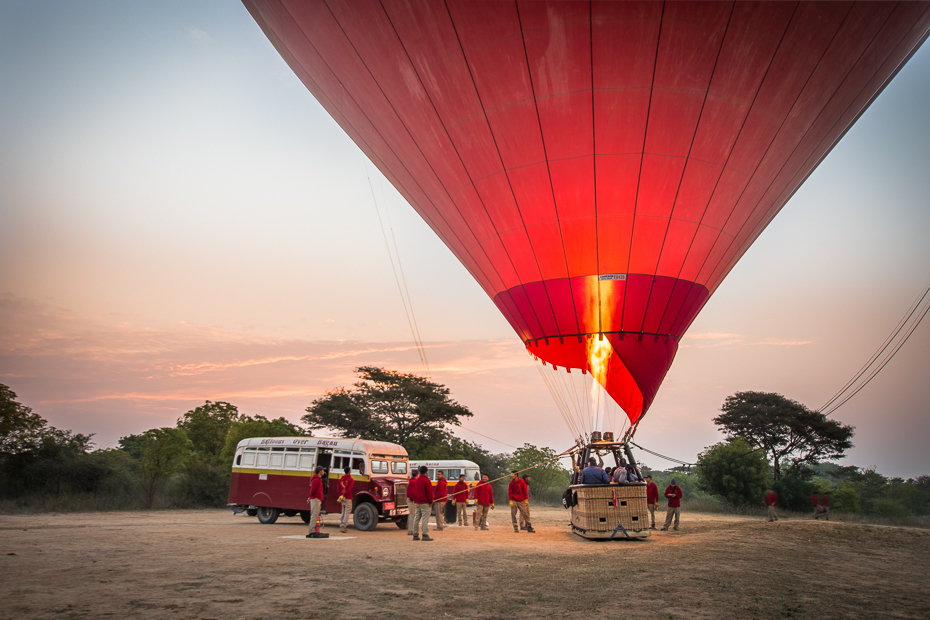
(180, 221)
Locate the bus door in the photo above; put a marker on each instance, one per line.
(324, 458)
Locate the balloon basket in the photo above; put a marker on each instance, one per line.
(610, 511)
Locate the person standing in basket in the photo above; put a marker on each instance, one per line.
(344, 487)
(439, 499)
(674, 494)
(421, 491)
(484, 498)
(519, 495)
(652, 500)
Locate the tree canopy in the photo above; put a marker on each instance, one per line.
(387, 405)
(734, 471)
(789, 432)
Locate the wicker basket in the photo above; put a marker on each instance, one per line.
(600, 507)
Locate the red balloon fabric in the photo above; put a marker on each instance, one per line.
(598, 167)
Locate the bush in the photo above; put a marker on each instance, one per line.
(734, 471)
(887, 507)
(845, 500)
(795, 490)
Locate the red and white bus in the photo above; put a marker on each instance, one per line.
(271, 477)
(451, 470)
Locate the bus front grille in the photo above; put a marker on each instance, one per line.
(400, 494)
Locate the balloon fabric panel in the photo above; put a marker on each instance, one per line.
(599, 168)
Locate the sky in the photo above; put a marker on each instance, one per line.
(181, 221)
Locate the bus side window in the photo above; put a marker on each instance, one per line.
(239, 460)
(453, 474)
(307, 459)
(358, 465)
(432, 474)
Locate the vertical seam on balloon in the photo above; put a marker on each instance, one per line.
(729, 155)
(410, 135)
(597, 236)
(503, 167)
(451, 142)
(542, 137)
(760, 226)
(642, 157)
(378, 132)
(795, 149)
(697, 124)
(775, 137)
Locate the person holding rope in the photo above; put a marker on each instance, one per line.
(439, 499)
(460, 495)
(484, 498)
(519, 495)
(526, 479)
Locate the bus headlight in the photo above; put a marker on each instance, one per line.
(385, 492)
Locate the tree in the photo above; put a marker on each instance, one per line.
(20, 428)
(387, 405)
(258, 426)
(206, 426)
(734, 471)
(160, 452)
(788, 431)
(548, 476)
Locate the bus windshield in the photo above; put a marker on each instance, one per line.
(399, 467)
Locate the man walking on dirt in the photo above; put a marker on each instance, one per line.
(519, 495)
(441, 495)
(421, 491)
(771, 500)
(484, 498)
(526, 479)
(674, 494)
(652, 500)
(316, 498)
(344, 487)
(460, 497)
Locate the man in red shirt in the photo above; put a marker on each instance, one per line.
(439, 499)
(344, 487)
(460, 496)
(825, 506)
(652, 500)
(315, 500)
(519, 495)
(674, 494)
(484, 498)
(771, 500)
(420, 490)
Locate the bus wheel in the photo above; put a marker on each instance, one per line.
(402, 523)
(290, 513)
(365, 517)
(305, 515)
(267, 515)
(251, 511)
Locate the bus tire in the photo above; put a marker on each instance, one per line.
(402, 522)
(305, 516)
(251, 511)
(365, 517)
(290, 513)
(267, 515)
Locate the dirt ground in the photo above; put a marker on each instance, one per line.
(209, 564)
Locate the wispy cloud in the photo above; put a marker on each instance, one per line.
(733, 341)
(199, 36)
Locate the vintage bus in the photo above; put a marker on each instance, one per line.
(271, 477)
(451, 470)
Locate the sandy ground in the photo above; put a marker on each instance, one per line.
(209, 564)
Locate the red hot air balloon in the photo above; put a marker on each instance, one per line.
(598, 167)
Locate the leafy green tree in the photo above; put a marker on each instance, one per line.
(20, 428)
(206, 426)
(257, 426)
(545, 477)
(789, 432)
(845, 500)
(386, 405)
(795, 489)
(161, 453)
(734, 471)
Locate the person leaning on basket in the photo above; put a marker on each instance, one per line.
(674, 494)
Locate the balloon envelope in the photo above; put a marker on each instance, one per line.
(598, 167)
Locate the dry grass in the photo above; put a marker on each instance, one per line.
(208, 564)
